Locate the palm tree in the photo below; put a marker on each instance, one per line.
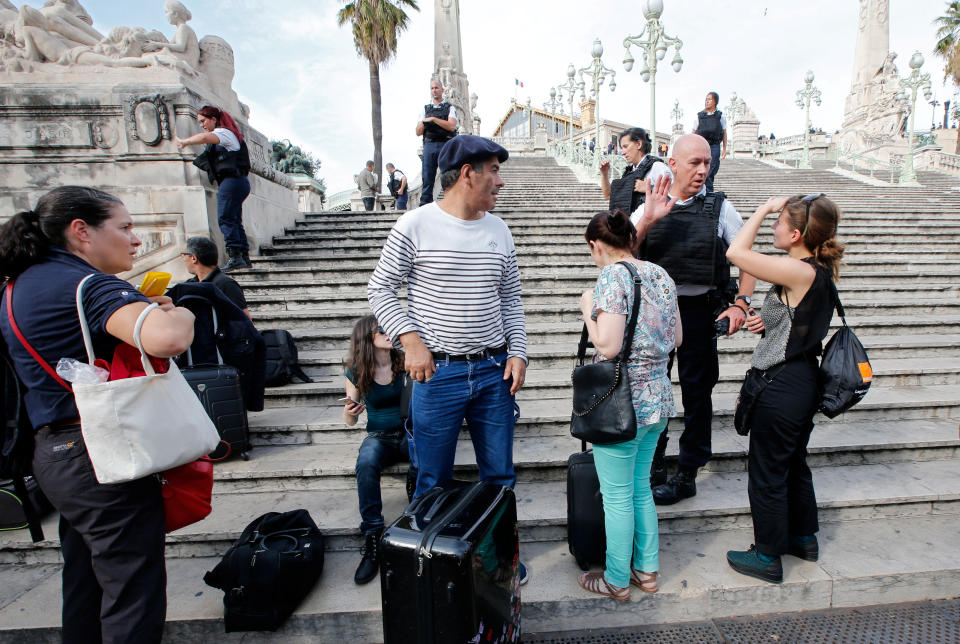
(376, 25)
(948, 47)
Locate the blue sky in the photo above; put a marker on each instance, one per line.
(300, 74)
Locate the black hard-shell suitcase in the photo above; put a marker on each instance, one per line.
(586, 535)
(218, 388)
(448, 568)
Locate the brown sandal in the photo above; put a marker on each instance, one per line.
(645, 581)
(596, 583)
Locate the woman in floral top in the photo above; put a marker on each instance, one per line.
(624, 468)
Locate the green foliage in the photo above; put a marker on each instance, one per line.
(376, 24)
(948, 43)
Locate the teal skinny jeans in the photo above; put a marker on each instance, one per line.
(630, 515)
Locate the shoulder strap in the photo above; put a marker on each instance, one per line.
(632, 320)
(26, 345)
(836, 302)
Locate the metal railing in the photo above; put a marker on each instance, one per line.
(576, 154)
(867, 165)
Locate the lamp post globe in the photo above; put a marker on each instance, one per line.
(571, 71)
(808, 77)
(628, 61)
(652, 9)
(597, 50)
(916, 61)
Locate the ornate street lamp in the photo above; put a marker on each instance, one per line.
(654, 49)
(598, 73)
(804, 96)
(570, 86)
(552, 106)
(914, 81)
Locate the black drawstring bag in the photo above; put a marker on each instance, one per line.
(844, 369)
(603, 411)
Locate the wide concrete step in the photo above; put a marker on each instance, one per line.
(857, 567)
(551, 416)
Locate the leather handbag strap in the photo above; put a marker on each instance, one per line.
(631, 322)
(26, 345)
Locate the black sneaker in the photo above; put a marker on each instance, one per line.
(681, 486)
(804, 548)
(748, 562)
(369, 558)
(235, 262)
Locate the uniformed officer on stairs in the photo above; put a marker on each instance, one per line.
(686, 229)
(627, 192)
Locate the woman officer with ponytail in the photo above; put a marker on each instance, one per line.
(111, 536)
(795, 318)
(227, 163)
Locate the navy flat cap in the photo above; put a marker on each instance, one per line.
(466, 148)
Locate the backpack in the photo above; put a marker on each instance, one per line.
(268, 571)
(282, 365)
(845, 370)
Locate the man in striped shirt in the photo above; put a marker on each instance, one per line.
(463, 331)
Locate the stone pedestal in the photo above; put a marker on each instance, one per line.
(309, 193)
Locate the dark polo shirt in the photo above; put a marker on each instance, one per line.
(226, 284)
(45, 308)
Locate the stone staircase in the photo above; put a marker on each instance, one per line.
(885, 472)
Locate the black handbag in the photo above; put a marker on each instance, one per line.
(845, 370)
(603, 411)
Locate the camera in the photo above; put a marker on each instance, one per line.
(721, 327)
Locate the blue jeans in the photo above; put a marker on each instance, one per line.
(714, 165)
(402, 201)
(368, 203)
(477, 392)
(377, 452)
(230, 196)
(630, 517)
(431, 157)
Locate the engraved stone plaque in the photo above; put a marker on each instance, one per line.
(147, 118)
(21, 133)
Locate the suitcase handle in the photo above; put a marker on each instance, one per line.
(435, 508)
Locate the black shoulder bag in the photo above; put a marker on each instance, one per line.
(603, 411)
(845, 370)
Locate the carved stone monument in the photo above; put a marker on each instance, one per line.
(874, 116)
(448, 56)
(79, 107)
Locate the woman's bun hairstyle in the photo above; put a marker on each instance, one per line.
(613, 228)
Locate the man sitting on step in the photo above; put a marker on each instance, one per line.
(686, 230)
(463, 331)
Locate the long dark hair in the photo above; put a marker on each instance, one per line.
(819, 233)
(27, 236)
(361, 359)
(613, 228)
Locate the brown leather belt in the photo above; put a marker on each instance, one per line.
(60, 424)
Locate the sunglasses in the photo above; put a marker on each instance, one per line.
(809, 199)
(381, 331)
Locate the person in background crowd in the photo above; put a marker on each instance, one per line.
(227, 163)
(367, 183)
(111, 536)
(463, 331)
(675, 233)
(200, 258)
(374, 382)
(630, 516)
(397, 186)
(437, 125)
(630, 189)
(712, 125)
(795, 318)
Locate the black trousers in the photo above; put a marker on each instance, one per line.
(782, 500)
(699, 370)
(112, 536)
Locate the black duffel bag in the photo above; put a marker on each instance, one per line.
(845, 371)
(268, 571)
(603, 411)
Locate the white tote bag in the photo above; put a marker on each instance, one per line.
(140, 426)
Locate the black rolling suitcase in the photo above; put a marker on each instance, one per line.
(218, 388)
(586, 535)
(448, 568)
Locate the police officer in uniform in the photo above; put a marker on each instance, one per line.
(437, 125)
(685, 228)
(712, 125)
(627, 192)
(397, 185)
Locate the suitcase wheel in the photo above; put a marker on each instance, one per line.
(245, 456)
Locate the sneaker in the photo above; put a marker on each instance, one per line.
(752, 563)
(369, 558)
(805, 548)
(522, 571)
(235, 262)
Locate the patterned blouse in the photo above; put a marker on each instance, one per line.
(653, 339)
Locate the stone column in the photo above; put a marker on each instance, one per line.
(446, 29)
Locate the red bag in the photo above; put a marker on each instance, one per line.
(187, 491)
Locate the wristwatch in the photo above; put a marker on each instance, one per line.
(745, 298)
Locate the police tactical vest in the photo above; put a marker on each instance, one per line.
(394, 184)
(622, 195)
(433, 133)
(685, 243)
(710, 127)
(225, 164)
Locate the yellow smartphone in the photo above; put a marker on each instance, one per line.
(154, 283)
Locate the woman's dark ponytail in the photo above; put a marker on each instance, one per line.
(26, 237)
